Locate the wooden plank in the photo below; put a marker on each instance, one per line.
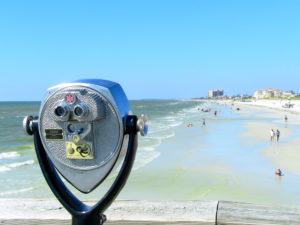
(130, 212)
(168, 211)
(39, 212)
(236, 213)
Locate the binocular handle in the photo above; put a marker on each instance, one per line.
(83, 214)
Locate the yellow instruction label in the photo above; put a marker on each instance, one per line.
(78, 151)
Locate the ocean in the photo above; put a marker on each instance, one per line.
(173, 161)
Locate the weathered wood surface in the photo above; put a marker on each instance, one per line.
(39, 212)
(68, 222)
(236, 213)
(130, 212)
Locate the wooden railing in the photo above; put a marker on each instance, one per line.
(38, 212)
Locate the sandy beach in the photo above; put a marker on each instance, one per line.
(285, 154)
(276, 104)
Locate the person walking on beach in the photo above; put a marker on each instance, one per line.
(272, 134)
(286, 118)
(277, 134)
(203, 123)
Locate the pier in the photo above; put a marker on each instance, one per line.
(34, 212)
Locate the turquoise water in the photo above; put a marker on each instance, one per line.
(173, 161)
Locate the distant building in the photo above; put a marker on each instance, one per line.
(216, 93)
(272, 93)
(288, 93)
(246, 96)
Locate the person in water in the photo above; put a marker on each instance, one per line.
(277, 134)
(286, 118)
(278, 172)
(203, 123)
(190, 125)
(215, 113)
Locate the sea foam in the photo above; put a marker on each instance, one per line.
(9, 155)
(144, 158)
(5, 193)
(10, 166)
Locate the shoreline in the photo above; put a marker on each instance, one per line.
(265, 104)
(283, 154)
(276, 104)
(217, 161)
(228, 169)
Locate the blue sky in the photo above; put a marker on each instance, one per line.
(154, 49)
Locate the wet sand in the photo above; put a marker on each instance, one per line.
(284, 154)
(258, 132)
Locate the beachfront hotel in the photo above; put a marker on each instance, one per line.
(216, 93)
(272, 93)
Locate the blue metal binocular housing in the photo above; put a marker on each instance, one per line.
(84, 130)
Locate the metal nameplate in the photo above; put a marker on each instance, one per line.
(54, 134)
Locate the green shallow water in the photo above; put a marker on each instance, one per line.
(173, 162)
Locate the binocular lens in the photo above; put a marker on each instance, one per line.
(78, 111)
(60, 111)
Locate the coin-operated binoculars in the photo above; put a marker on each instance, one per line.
(84, 131)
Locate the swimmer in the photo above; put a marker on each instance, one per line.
(190, 125)
(278, 172)
(203, 123)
